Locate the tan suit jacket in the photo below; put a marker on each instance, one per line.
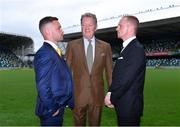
(89, 88)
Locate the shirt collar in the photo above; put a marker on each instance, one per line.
(51, 43)
(126, 42)
(92, 40)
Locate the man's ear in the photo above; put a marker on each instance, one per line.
(46, 32)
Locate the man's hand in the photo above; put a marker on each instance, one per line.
(107, 100)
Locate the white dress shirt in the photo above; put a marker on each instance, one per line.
(126, 42)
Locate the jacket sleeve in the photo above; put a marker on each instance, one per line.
(43, 70)
(108, 65)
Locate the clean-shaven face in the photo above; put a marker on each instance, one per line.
(122, 29)
(53, 31)
(88, 27)
(57, 31)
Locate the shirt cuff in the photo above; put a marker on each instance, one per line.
(109, 93)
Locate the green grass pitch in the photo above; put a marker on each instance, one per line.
(161, 99)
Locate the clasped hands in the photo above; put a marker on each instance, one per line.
(107, 100)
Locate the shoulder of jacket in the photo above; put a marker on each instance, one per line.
(103, 42)
(76, 41)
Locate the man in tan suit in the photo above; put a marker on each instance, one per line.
(88, 58)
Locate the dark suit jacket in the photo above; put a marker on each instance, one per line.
(85, 82)
(128, 80)
(53, 81)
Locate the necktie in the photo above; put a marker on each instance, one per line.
(58, 50)
(89, 56)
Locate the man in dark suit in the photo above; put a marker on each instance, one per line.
(126, 90)
(88, 57)
(53, 77)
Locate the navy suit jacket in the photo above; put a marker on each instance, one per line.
(128, 80)
(53, 81)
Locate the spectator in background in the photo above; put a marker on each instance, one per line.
(53, 77)
(88, 57)
(126, 90)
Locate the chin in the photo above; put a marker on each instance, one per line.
(87, 37)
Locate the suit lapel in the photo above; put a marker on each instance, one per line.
(60, 59)
(51, 48)
(128, 46)
(97, 54)
(82, 54)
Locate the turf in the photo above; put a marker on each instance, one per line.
(161, 98)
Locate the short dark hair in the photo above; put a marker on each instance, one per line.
(89, 15)
(46, 20)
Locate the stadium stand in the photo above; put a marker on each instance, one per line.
(161, 45)
(9, 60)
(15, 50)
(163, 53)
(163, 62)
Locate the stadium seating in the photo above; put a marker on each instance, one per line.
(163, 62)
(161, 45)
(168, 48)
(9, 60)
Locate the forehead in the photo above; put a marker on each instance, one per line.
(55, 22)
(87, 19)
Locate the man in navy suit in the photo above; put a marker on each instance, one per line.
(126, 90)
(53, 77)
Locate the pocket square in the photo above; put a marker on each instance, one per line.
(102, 54)
(120, 58)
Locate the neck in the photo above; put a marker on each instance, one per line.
(52, 40)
